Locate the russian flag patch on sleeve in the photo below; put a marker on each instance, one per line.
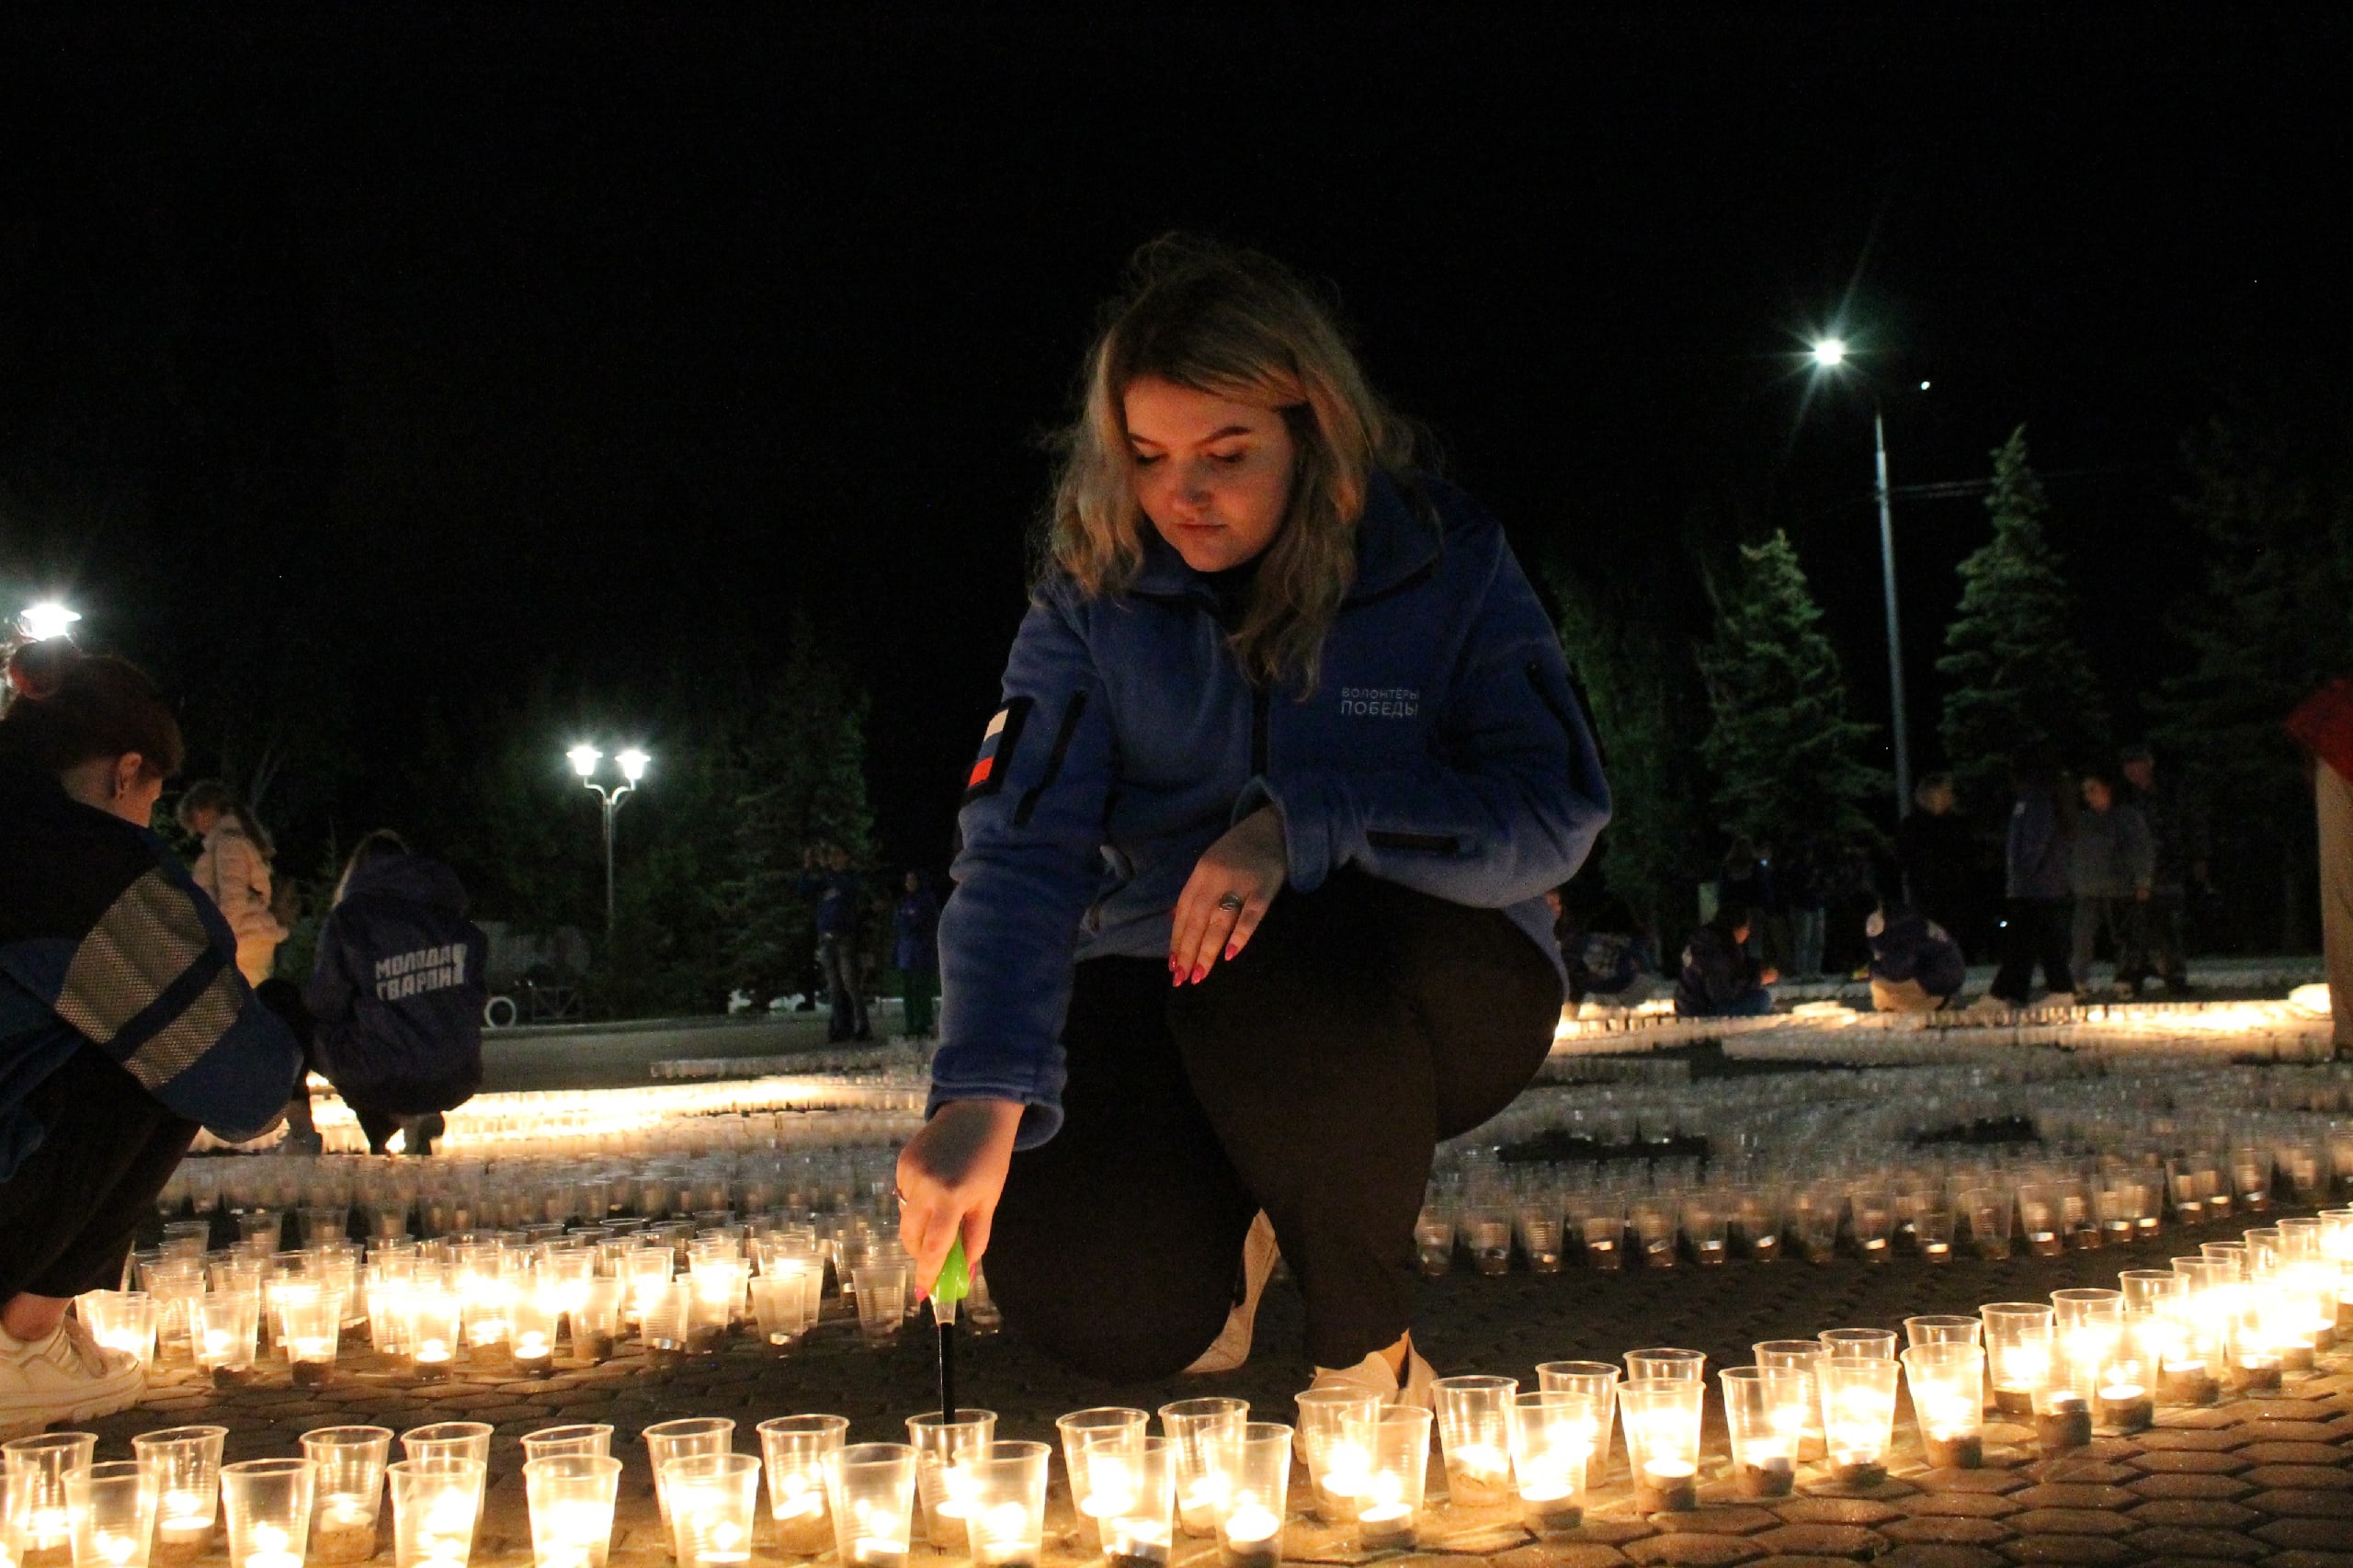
(997, 749)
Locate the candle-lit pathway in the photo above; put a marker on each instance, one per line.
(2270, 1481)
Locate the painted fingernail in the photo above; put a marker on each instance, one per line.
(1200, 972)
(1231, 949)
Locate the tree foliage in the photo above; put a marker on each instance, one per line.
(1788, 761)
(2018, 677)
(2272, 619)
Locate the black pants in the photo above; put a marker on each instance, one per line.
(70, 1215)
(1311, 1077)
(844, 993)
(2034, 930)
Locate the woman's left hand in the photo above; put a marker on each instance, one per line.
(1248, 863)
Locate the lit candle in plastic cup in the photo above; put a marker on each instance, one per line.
(1137, 1523)
(1474, 1439)
(268, 1505)
(113, 1504)
(432, 1335)
(2017, 1356)
(312, 1323)
(694, 1436)
(1553, 1441)
(945, 1451)
(1102, 1448)
(1879, 1343)
(1858, 1416)
(530, 1323)
(37, 1469)
(594, 1438)
(436, 1504)
(450, 1439)
(798, 1451)
(871, 1487)
(1339, 1467)
(1943, 1329)
(1948, 1383)
(1250, 1531)
(1205, 1431)
(1767, 1409)
(347, 1465)
(1662, 1441)
(570, 1498)
(882, 1301)
(1397, 1443)
(121, 1320)
(1008, 1525)
(1666, 1362)
(1597, 1380)
(595, 1319)
(223, 1325)
(185, 1464)
(712, 1498)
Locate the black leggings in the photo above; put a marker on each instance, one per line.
(70, 1213)
(1311, 1077)
(2034, 930)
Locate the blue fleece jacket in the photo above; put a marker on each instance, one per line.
(1442, 749)
(2036, 849)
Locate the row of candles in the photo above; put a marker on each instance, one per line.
(682, 1287)
(2237, 1318)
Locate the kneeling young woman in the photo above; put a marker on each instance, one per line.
(1250, 908)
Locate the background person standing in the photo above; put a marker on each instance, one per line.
(914, 952)
(2177, 842)
(2110, 867)
(2323, 726)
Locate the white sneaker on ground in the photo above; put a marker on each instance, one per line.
(1989, 1006)
(65, 1374)
(1230, 1349)
(2058, 999)
(1372, 1374)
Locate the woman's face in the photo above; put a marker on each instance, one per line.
(1211, 474)
(2097, 795)
(117, 784)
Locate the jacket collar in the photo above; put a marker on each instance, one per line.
(1397, 539)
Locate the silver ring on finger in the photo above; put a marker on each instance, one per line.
(1231, 903)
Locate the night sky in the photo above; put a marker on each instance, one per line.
(480, 340)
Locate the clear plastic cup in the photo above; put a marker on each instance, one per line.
(1250, 1530)
(449, 1439)
(694, 1436)
(870, 1490)
(1339, 1467)
(1007, 1523)
(183, 1463)
(37, 1469)
(1474, 1439)
(1396, 1442)
(1767, 1409)
(347, 1467)
(1555, 1440)
(1947, 1379)
(437, 1503)
(713, 1499)
(113, 1504)
(1136, 1524)
(798, 1451)
(945, 1451)
(1101, 1451)
(1204, 1431)
(1858, 1416)
(1666, 1363)
(1662, 1441)
(571, 1497)
(121, 1320)
(591, 1438)
(268, 1505)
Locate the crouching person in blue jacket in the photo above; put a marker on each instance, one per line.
(1718, 977)
(124, 1024)
(1916, 966)
(398, 992)
(1251, 908)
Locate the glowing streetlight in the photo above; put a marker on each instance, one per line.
(632, 764)
(1829, 354)
(47, 619)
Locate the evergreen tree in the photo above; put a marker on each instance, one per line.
(1644, 697)
(1788, 761)
(2272, 619)
(2019, 678)
(801, 783)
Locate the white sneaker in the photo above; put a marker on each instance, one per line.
(1230, 1349)
(64, 1376)
(1372, 1374)
(2058, 999)
(1989, 1006)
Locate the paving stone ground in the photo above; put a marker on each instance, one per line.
(2268, 1480)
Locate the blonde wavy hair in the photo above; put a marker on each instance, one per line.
(1238, 325)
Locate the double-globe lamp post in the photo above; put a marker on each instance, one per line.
(1830, 355)
(632, 764)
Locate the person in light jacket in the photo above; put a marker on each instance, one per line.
(2112, 864)
(1250, 908)
(234, 870)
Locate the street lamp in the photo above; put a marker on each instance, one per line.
(47, 619)
(1830, 354)
(632, 764)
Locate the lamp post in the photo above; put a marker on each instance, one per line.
(632, 764)
(47, 619)
(1830, 354)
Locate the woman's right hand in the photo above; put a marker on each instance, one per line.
(950, 1176)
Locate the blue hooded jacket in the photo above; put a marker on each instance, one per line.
(2036, 849)
(105, 941)
(398, 989)
(1442, 749)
